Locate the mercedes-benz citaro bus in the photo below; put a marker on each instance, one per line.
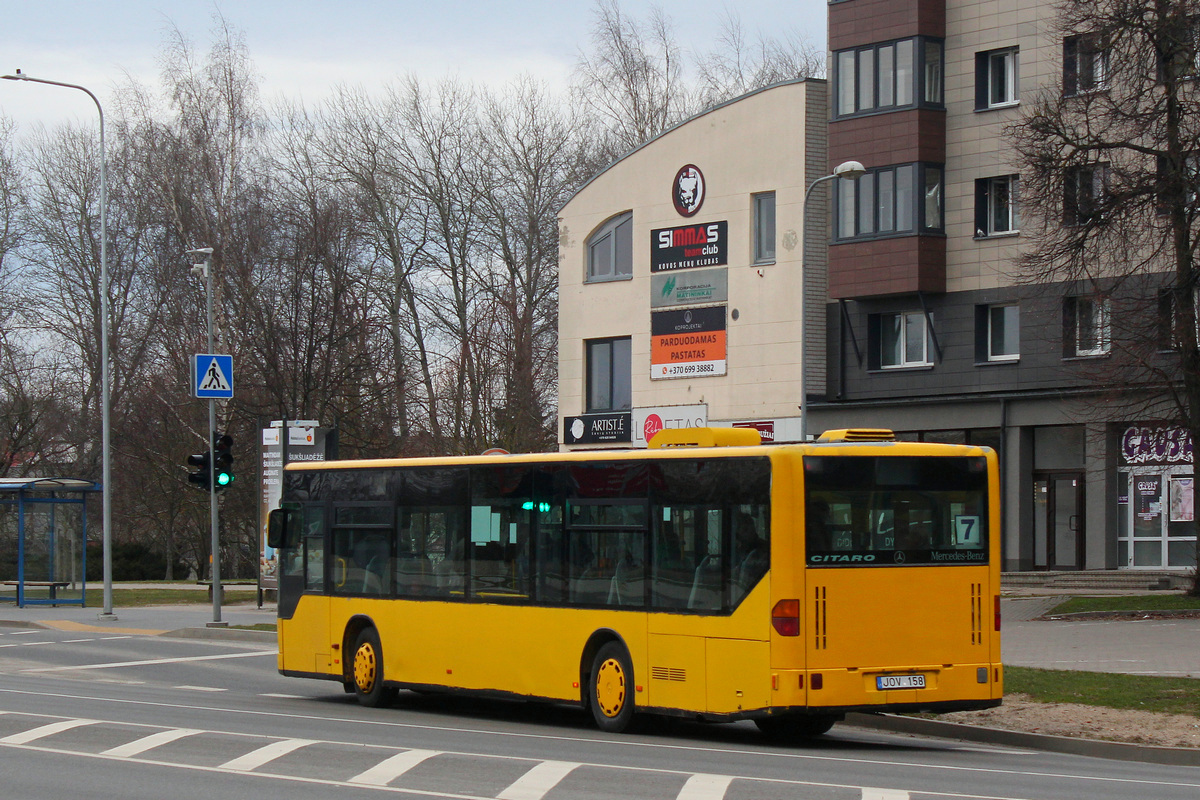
(708, 576)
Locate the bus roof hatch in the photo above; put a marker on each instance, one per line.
(705, 437)
(858, 435)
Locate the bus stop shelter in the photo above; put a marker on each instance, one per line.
(43, 539)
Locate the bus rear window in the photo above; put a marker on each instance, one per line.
(895, 510)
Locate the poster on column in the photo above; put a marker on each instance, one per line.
(305, 442)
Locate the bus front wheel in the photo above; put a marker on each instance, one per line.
(796, 726)
(367, 670)
(611, 691)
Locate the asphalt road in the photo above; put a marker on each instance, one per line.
(99, 715)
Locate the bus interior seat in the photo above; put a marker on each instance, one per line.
(706, 586)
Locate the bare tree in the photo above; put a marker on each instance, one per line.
(1108, 156)
(534, 154)
(632, 80)
(737, 66)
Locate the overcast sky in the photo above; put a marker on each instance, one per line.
(303, 48)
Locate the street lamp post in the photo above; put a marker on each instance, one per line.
(850, 170)
(105, 435)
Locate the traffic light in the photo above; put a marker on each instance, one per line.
(203, 472)
(223, 461)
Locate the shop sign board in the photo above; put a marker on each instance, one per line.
(614, 428)
(649, 421)
(702, 245)
(687, 344)
(1143, 444)
(696, 287)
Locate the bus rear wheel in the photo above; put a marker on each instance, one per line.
(796, 726)
(610, 693)
(367, 670)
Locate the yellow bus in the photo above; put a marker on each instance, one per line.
(786, 584)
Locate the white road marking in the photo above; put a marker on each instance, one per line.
(391, 768)
(23, 644)
(139, 746)
(76, 641)
(265, 754)
(535, 783)
(110, 638)
(883, 794)
(789, 755)
(21, 633)
(153, 661)
(201, 688)
(284, 696)
(705, 787)
(45, 730)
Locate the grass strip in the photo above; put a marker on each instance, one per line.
(1108, 689)
(129, 598)
(1140, 602)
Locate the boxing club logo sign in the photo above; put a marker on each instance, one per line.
(688, 190)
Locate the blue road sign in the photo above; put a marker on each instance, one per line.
(212, 376)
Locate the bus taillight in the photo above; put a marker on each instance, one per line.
(785, 616)
(997, 612)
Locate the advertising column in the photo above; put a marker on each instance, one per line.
(305, 442)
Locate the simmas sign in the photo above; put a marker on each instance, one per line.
(704, 245)
(687, 344)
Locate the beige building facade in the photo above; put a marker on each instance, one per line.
(682, 273)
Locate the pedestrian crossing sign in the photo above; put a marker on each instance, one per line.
(212, 376)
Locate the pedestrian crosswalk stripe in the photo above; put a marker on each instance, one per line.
(265, 754)
(883, 794)
(45, 730)
(535, 783)
(705, 787)
(391, 768)
(139, 746)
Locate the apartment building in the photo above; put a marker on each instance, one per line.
(930, 331)
(688, 282)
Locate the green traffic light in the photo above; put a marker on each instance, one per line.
(224, 479)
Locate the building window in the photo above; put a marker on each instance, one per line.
(1084, 194)
(1176, 182)
(764, 228)
(887, 76)
(883, 202)
(1172, 320)
(996, 78)
(1085, 65)
(1003, 332)
(610, 250)
(902, 340)
(996, 206)
(1086, 326)
(609, 375)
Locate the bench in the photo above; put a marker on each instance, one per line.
(53, 586)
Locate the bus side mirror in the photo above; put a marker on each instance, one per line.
(277, 522)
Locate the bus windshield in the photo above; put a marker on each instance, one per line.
(895, 510)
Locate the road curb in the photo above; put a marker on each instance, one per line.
(223, 634)
(1095, 748)
(20, 623)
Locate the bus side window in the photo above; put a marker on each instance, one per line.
(313, 534)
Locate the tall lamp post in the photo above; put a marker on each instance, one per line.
(850, 170)
(105, 435)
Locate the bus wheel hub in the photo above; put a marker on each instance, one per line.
(610, 687)
(364, 667)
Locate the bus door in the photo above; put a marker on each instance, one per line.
(302, 579)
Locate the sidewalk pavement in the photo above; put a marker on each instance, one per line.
(191, 620)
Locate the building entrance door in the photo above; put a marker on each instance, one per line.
(1058, 521)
